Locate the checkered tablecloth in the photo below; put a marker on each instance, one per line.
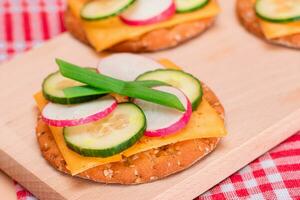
(275, 175)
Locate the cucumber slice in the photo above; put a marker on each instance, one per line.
(187, 83)
(183, 6)
(101, 9)
(278, 11)
(109, 136)
(53, 89)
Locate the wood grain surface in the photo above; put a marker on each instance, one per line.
(259, 85)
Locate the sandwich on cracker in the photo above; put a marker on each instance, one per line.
(132, 120)
(138, 25)
(276, 21)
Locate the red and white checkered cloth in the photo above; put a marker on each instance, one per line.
(275, 175)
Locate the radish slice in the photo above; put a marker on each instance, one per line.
(126, 66)
(77, 114)
(145, 12)
(161, 120)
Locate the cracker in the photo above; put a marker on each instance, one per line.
(143, 167)
(250, 21)
(153, 41)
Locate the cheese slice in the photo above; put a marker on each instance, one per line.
(276, 30)
(204, 123)
(103, 34)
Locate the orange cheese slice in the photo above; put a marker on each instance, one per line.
(275, 30)
(204, 123)
(106, 33)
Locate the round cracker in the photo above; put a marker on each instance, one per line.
(153, 41)
(143, 167)
(248, 18)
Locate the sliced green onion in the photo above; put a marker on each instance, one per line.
(82, 91)
(85, 90)
(150, 83)
(109, 84)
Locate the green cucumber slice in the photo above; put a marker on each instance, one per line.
(54, 85)
(278, 11)
(187, 83)
(109, 136)
(101, 9)
(183, 6)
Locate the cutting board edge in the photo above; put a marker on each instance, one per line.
(27, 179)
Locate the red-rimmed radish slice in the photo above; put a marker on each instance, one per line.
(161, 120)
(145, 12)
(73, 115)
(126, 66)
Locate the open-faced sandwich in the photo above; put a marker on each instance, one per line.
(132, 120)
(138, 25)
(277, 21)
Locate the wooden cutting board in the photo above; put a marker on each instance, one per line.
(259, 85)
